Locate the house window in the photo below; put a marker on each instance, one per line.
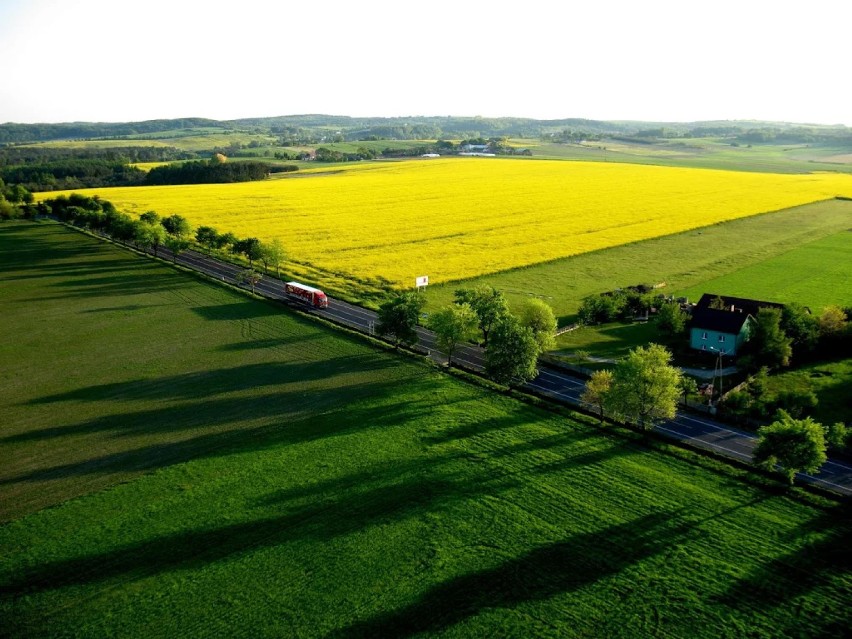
(721, 338)
(704, 335)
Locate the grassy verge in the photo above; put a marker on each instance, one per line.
(214, 466)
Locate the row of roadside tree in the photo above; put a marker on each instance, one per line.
(512, 342)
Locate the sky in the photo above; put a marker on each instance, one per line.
(652, 60)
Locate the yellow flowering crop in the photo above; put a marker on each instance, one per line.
(454, 218)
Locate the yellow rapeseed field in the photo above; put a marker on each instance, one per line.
(454, 218)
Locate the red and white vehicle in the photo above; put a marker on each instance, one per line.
(307, 294)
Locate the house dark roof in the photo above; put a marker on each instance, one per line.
(711, 319)
(739, 304)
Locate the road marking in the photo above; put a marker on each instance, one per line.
(696, 439)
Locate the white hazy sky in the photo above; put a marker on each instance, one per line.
(110, 60)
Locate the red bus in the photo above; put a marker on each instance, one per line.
(307, 294)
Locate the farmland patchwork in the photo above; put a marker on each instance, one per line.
(458, 218)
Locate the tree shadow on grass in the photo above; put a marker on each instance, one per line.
(118, 309)
(239, 310)
(575, 447)
(201, 384)
(226, 426)
(473, 427)
(116, 284)
(24, 247)
(540, 574)
(337, 507)
(271, 342)
(817, 564)
(65, 270)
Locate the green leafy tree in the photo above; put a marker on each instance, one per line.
(512, 352)
(8, 211)
(249, 276)
(671, 319)
(453, 324)
(688, 386)
(537, 315)
(801, 327)
(769, 345)
(645, 386)
(796, 445)
(251, 247)
(123, 229)
(797, 402)
(274, 254)
(488, 303)
(158, 237)
(599, 309)
(398, 317)
(207, 236)
(147, 235)
(596, 392)
(226, 240)
(737, 404)
(176, 245)
(832, 321)
(150, 217)
(837, 435)
(177, 226)
(253, 250)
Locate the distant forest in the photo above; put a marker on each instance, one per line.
(38, 168)
(212, 172)
(297, 129)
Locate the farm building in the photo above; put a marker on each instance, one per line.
(722, 324)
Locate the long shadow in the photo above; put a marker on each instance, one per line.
(575, 448)
(125, 308)
(246, 310)
(288, 418)
(473, 427)
(271, 342)
(209, 383)
(23, 249)
(791, 577)
(114, 285)
(540, 574)
(66, 270)
(349, 508)
(603, 452)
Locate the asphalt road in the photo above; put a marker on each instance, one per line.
(556, 384)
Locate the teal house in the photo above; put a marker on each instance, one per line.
(722, 324)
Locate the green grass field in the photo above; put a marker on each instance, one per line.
(684, 261)
(708, 153)
(181, 460)
(204, 139)
(831, 382)
(816, 274)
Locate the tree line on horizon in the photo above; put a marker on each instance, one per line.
(318, 128)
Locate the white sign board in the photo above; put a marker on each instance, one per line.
(423, 280)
